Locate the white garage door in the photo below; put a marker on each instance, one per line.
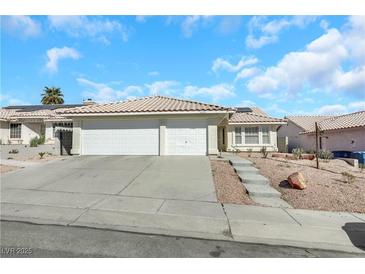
(120, 137)
(186, 138)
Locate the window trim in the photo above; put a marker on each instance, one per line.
(268, 135)
(20, 130)
(257, 134)
(240, 135)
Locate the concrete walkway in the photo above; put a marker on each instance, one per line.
(257, 186)
(197, 219)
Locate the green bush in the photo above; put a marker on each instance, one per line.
(326, 155)
(297, 152)
(41, 154)
(34, 142)
(264, 152)
(41, 139)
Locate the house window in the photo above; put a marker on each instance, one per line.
(252, 135)
(16, 131)
(237, 135)
(265, 135)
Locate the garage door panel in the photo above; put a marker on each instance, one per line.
(120, 137)
(186, 137)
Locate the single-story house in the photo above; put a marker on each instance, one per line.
(337, 133)
(249, 129)
(20, 124)
(155, 125)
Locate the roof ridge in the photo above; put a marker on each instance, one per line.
(186, 100)
(342, 115)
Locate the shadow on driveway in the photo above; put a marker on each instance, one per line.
(356, 233)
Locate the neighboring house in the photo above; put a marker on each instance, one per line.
(296, 125)
(249, 129)
(20, 124)
(344, 132)
(341, 133)
(154, 125)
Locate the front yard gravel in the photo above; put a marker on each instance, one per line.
(228, 186)
(326, 189)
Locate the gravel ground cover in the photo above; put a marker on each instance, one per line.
(6, 168)
(326, 187)
(228, 186)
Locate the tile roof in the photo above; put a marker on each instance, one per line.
(351, 120)
(145, 104)
(256, 116)
(5, 114)
(9, 114)
(306, 122)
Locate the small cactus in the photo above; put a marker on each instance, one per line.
(41, 154)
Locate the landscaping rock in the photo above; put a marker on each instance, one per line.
(297, 180)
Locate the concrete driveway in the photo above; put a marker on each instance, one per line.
(169, 177)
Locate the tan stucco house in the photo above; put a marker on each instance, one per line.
(154, 125)
(337, 133)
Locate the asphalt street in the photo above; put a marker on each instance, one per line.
(30, 240)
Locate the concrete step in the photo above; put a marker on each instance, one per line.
(240, 162)
(273, 202)
(262, 191)
(246, 169)
(252, 178)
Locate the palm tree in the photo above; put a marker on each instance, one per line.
(52, 96)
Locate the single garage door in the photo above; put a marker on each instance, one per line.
(186, 137)
(120, 137)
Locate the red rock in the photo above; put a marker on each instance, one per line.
(297, 181)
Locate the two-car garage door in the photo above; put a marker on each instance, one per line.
(142, 137)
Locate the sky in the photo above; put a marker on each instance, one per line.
(286, 65)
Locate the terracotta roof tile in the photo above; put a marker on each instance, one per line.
(256, 116)
(307, 122)
(351, 120)
(145, 104)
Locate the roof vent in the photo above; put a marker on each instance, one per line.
(88, 102)
(244, 109)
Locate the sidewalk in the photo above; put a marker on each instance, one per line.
(208, 220)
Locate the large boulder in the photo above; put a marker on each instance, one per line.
(297, 181)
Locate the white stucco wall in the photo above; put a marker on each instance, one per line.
(212, 128)
(4, 132)
(231, 145)
(291, 130)
(346, 139)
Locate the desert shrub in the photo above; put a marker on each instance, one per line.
(249, 152)
(41, 139)
(348, 177)
(41, 154)
(14, 151)
(264, 152)
(34, 142)
(297, 152)
(326, 155)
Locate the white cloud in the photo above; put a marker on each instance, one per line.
(263, 32)
(222, 64)
(337, 109)
(216, 92)
(104, 93)
(192, 23)
(54, 55)
(229, 24)
(247, 103)
(154, 73)
(163, 87)
(247, 73)
(319, 66)
(84, 26)
(23, 26)
(9, 100)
